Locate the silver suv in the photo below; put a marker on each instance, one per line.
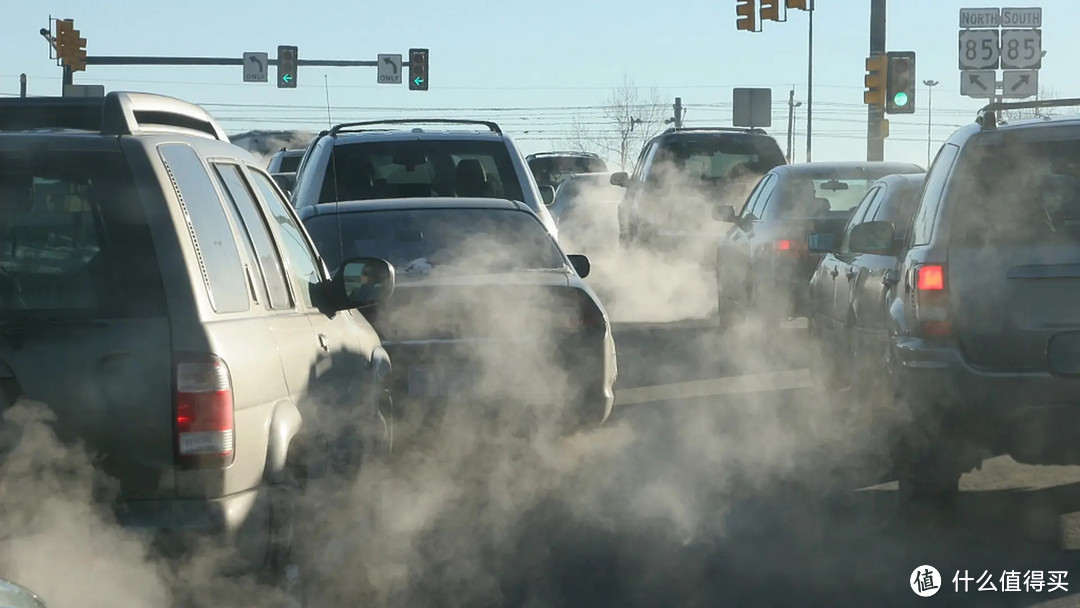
(160, 296)
(361, 161)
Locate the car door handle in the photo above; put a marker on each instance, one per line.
(323, 343)
(835, 271)
(850, 274)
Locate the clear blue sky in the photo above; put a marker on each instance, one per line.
(533, 66)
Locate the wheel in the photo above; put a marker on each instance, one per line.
(927, 461)
(727, 311)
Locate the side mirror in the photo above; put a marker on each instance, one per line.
(620, 179)
(548, 194)
(873, 237)
(285, 181)
(821, 242)
(581, 264)
(724, 213)
(362, 283)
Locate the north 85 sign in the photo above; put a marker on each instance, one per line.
(979, 49)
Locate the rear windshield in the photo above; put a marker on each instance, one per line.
(420, 168)
(289, 163)
(715, 159)
(73, 238)
(590, 190)
(822, 194)
(1019, 193)
(465, 240)
(553, 170)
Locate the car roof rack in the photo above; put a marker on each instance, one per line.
(117, 113)
(987, 118)
(563, 153)
(349, 126)
(728, 129)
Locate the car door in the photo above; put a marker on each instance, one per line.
(845, 273)
(630, 207)
(742, 238)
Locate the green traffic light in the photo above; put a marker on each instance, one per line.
(900, 99)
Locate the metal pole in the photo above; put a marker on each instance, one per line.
(930, 84)
(810, 87)
(678, 112)
(67, 78)
(875, 143)
(22, 85)
(790, 120)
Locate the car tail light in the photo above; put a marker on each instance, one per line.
(204, 412)
(791, 247)
(591, 315)
(931, 301)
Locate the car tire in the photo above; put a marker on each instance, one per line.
(928, 471)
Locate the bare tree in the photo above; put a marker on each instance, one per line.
(1023, 113)
(629, 119)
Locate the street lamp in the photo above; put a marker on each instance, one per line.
(930, 84)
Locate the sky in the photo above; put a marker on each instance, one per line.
(537, 68)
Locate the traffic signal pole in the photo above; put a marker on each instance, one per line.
(810, 88)
(875, 143)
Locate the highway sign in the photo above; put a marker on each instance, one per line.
(1020, 83)
(389, 69)
(255, 67)
(980, 84)
(1021, 49)
(979, 49)
(1021, 17)
(84, 90)
(752, 108)
(980, 17)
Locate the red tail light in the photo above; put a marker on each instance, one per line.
(784, 245)
(204, 413)
(791, 247)
(591, 315)
(932, 301)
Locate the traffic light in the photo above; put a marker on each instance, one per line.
(747, 15)
(883, 129)
(797, 4)
(770, 10)
(876, 66)
(418, 69)
(286, 67)
(70, 47)
(900, 93)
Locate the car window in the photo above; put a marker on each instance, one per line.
(898, 208)
(1016, 194)
(553, 170)
(765, 190)
(936, 181)
(420, 168)
(461, 240)
(871, 200)
(224, 272)
(302, 261)
(289, 163)
(714, 159)
(74, 239)
(254, 225)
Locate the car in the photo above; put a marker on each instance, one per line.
(586, 209)
(13, 595)
(847, 293)
(373, 160)
(162, 298)
(285, 160)
(680, 177)
(552, 168)
(762, 261)
(983, 323)
(485, 302)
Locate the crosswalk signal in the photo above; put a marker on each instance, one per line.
(286, 66)
(797, 5)
(876, 67)
(70, 47)
(900, 93)
(747, 15)
(418, 69)
(770, 10)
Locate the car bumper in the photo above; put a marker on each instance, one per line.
(177, 528)
(1033, 416)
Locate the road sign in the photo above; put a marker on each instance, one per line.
(980, 17)
(1020, 83)
(1021, 49)
(84, 90)
(752, 108)
(389, 69)
(979, 49)
(980, 84)
(255, 67)
(1021, 17)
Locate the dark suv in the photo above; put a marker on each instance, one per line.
(161, 297)
(551, 168)
(985, 327)
(682, 175)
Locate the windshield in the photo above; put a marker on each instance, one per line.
(714, 160)
(289, 163)
(553, 170)
(593, 189)
(802, 196)
(459, 241)
(420, 168)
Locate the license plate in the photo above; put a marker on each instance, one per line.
(438, 382)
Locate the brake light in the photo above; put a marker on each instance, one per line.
(204, 413)
(791, 247)
(931, 301)
(784, 245)
(591, 315)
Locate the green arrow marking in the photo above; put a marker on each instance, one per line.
(287, 77)
(418, 80)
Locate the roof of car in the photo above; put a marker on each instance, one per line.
(416, 134)
(570, 154)
(827, 167)
(445, 202)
